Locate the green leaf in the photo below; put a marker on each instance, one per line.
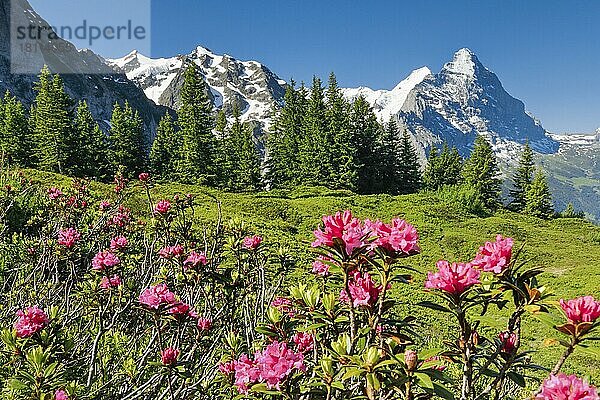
(424, 380)
(442, 391)
(351, 373)
(517, 378)
(433, 306)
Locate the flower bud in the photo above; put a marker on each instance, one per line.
(410, 358)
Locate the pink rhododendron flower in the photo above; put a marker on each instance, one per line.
(581, 309)
(122, 218)
(227, 368)
(61, 395)
(169, 356)
(509, 341)
(276, 362)
(156, 296)
(180, 309)
(112, 282)
(343, 228)
(54, 193)
(319, 267)
(246, 373)
(104, 259)
(304, 341)
(284, 305)
(104, 205)
(494, 256)
(30, 321)
(68, 237)
(204, 324)
(452, 278)
(144, 176)
(171, 252)
(362, 289)
(162, 207)
(435, 367)
(397, 237)
(563, 387)
(118, 243)
(194, 260)
(252, 242)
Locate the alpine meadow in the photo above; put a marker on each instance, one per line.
(195, 227)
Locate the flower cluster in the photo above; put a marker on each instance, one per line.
(194, 260)
(252, 242)
(118, 243)
(581, 309)
(341, 228)
(169, 356)
(110, 282)
(271, 366)
(305, 342)
(397, 237)
(171, 252)
(162, 207)
(453, 278)
(363, 291)
(156, 296)
(68, 237)
(30, 321)
(103, 260)
(494, 256)
(563, 387)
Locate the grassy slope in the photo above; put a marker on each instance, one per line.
(569, 249)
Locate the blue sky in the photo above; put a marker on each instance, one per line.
(547, 53)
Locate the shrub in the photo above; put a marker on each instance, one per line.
(100, 304)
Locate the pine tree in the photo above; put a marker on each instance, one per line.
(450, 165)
(371, 147)
(245, 160)
(285, 139)
(384, 167)
(52, 122)
(165, 148)
(409, 172)
(15, 137)
(344, 172)
(481, 172)
(315, 166)
(127, 152)
(433, 176)
(538, 198)
(522, 179)
(91, 157)
(196, 161)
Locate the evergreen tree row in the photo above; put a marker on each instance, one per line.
(319, 138)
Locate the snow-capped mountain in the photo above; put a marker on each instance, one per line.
(249, 84)
(388, 103)
(89, 77)
(465, 99)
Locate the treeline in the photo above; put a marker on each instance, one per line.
(478, 180)
(319, 138)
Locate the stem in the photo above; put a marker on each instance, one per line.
(568, 351)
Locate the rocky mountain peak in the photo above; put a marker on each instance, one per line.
(463, 62)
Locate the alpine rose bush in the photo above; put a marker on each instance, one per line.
(30, 321)
(563, 387)
(453, 278)
(174, 307)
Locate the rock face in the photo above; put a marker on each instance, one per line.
(466, 99)
(249, 84)
(100, 85)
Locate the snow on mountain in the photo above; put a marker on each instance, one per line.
(249, 84)
(387, 103)
(466, 99)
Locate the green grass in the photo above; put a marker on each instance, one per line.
(568, 249)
